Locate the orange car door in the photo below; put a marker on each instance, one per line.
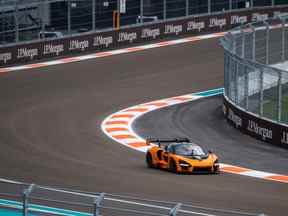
(165, 158)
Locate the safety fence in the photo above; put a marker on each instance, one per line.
(26, 20)
(111, 39)
(30, 199)
(256, 78)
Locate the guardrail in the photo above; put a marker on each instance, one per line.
(31, 199)
(256, 81)
(105, 40)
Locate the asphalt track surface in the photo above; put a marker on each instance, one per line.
(50, 128)
(211, 130)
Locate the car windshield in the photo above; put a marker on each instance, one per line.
(189, 150)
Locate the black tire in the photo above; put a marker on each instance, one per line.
(149, 161)
(216, 170)
(172, 166)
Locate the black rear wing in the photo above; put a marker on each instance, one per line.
(166, 141)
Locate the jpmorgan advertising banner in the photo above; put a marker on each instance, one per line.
(102, 41)
(255, 126)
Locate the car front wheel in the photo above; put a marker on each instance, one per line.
(149, 161)
(172, 166)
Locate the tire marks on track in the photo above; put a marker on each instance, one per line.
(118, 126)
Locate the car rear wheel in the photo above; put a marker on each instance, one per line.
(149, 161)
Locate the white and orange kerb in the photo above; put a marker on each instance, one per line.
(118, 126)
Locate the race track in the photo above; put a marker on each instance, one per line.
(211, 130)
(50, 128)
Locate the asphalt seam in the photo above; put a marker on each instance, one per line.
(118, 126)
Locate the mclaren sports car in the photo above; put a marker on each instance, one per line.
(180, 156)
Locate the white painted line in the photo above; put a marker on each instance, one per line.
(257, 174)
(56, 62)
(207, 36)
(148, 46)
(171, 102)
(120, 51)
(67, 60)
(22, 67)
(121, 119)
(115, 133)
(128, 141)
(81, 58)
(115, 126)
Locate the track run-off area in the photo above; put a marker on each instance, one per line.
(50, 129)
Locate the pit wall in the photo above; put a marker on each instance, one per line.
(251, 124)
(101, 41)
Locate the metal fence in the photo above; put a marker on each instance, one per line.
(30, 199)
(256, 79)
(25, 20)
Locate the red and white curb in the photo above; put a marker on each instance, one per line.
(111, 53)
(118, 126)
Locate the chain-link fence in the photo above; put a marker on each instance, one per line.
(255, 68)
(25, 20)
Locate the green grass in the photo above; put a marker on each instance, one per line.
(270, 110)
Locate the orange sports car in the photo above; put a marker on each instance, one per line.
(180, 156)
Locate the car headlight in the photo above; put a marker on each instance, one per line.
(183, 163)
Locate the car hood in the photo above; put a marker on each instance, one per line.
(197, 157)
